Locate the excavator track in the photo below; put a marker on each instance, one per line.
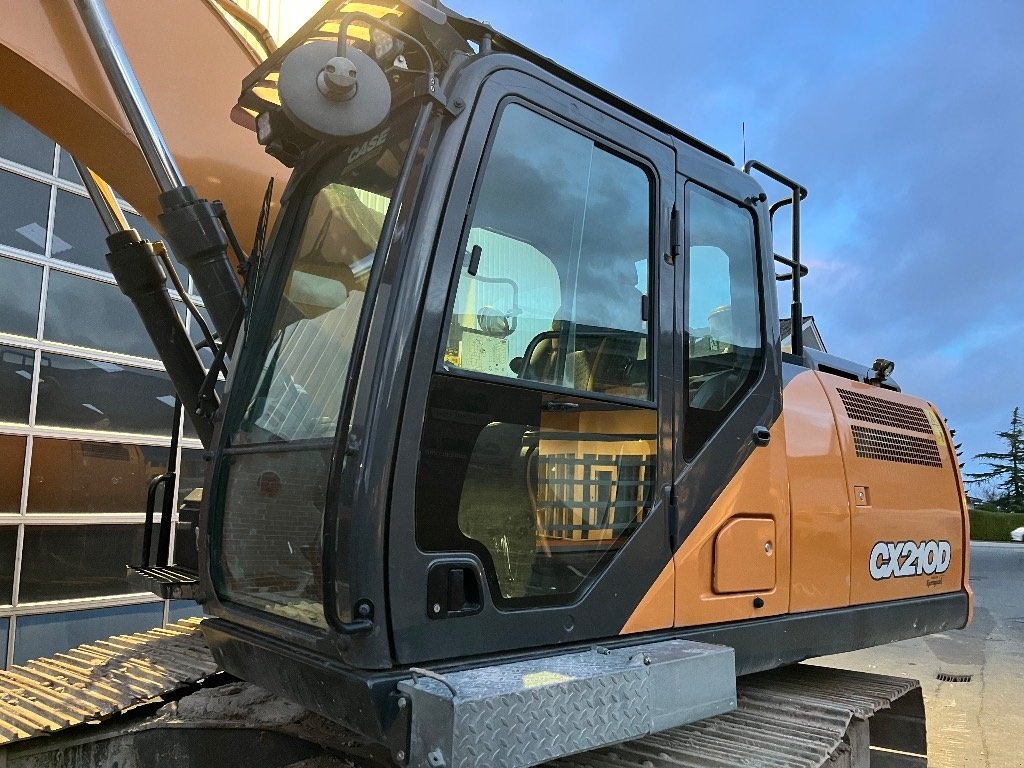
(802, 716)
(155, 698)
(98, 680)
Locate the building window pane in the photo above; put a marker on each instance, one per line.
(4, 624)
(52, 633)
(72, 476)
(62, 562)
(190, 494)
(90, 394)
(8, 544)
(20, 284)
(23, 144)
(78, 235)
(67, 168)
(26, 206)
(15, 383)
(89, 313)
(12, 468)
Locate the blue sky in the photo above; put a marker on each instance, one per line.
(901, 118)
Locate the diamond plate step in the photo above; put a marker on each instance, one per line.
(524, 713)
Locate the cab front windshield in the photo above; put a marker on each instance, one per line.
(272, 526)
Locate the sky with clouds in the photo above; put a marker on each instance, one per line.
(901, 118)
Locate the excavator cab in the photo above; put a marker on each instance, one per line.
(512, 344)
(448, 431)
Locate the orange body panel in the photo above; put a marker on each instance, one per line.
(819, 498)
(190, 65)
(745, 556)
(907, 529)
(759, 489)
(858, 519)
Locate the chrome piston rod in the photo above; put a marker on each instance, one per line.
(192, 226)
(129, 93)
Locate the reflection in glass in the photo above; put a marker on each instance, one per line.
(277, 567)
(298, 394)
(190, 494)
(62, 562)
(73, 477)
(67, 168)
(544, 495)
(25, 205)
(723, 325)
(78, 235)
(561, 238)
(8, 543)
(91, 394)
(271, 531)
(89, 313)
(20, 284)
(12, 468)
(15, 383)
(23, 144)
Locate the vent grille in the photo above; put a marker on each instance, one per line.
(877, 410)
(893, 446)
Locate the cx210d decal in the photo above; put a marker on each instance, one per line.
(908, 558)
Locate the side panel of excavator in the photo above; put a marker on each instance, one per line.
(869, 509)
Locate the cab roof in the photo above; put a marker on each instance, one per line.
(446, 31)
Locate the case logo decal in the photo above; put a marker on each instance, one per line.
(907, 558)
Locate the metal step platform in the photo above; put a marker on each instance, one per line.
(165, 581)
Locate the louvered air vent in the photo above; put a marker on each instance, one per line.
(893, 446)
(877, 410)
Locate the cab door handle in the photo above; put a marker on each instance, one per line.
(762, 435)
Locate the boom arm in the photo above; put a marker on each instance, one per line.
(189, 62)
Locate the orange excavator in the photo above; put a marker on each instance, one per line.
(511, 464)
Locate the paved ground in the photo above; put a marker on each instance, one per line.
(980, 723)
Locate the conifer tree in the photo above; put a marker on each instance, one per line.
(1005, 470)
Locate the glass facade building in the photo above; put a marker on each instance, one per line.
(86, 415)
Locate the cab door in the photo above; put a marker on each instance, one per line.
(731, 483)
(537, 435)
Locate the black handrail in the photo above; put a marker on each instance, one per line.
(799, 193)
(147, 533)
(163, 545)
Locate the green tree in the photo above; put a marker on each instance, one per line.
(1005, 473)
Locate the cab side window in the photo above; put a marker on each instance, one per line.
(554, 279)
(724, 347)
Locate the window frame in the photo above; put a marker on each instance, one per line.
(653, 286)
